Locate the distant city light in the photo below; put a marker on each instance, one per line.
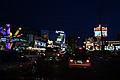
(20, 28)
(78, 37)
(8, 25)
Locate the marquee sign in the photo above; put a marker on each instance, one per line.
(97, 31)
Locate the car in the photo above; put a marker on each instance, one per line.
(14, 64)
(53, 54)
(79, 60)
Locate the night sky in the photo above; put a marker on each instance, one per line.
(75, 17)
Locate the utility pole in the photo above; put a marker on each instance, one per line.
(100, 25)
(102, 46)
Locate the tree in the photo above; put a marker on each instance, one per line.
(71, 42)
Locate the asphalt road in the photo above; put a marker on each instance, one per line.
(102, 69)
(107, 68)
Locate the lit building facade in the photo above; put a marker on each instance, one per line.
(55, 38)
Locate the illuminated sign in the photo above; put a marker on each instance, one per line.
(18, 40)
(59, 31)
(3, 39)
(97, 31)
(15, 39)
(42, 44)
(23, 40)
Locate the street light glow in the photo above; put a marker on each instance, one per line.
(78, 37)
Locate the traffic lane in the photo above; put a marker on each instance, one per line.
(114, 66)
(60, 70)
(106, 68)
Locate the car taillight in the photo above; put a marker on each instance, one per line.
(58, 54)
(71, 60)
(44, 54)
(87, 61)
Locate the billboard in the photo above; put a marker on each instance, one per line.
(97, 31)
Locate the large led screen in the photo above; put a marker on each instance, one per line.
(98, 33)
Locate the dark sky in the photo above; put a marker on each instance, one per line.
(75, 17)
